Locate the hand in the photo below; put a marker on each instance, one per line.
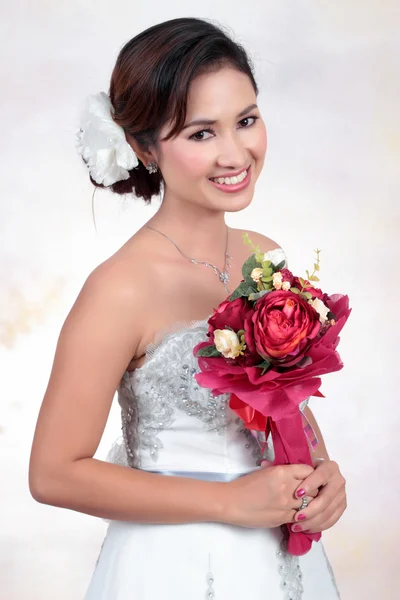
(265, 498)
(329, 505)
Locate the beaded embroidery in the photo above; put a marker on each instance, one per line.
(149, 398)
(290, 571)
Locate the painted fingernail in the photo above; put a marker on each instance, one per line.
(296, 528)
(300, 493)
(301, 517)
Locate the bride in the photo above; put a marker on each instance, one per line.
(195, 508)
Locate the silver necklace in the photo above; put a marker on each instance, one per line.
(224, 276)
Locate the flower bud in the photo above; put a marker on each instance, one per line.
(227, 342)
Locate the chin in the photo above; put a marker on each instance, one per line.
(236, 202)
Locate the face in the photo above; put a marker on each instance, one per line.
(216, 159)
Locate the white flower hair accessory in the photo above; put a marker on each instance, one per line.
(102, 143)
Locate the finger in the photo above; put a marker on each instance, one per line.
(330, 522)
(312, 517)
(318, 478)
(297, 510)
(301, 471)
(317, 505)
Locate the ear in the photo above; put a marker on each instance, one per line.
(143, 155)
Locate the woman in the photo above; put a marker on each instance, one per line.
(192, 516)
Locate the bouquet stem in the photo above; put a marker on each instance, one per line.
(291, 447)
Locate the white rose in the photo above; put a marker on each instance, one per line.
(227, 342)
(256, 274)
(276, 256)
(321, 309)
(277, 280)
(286, 285)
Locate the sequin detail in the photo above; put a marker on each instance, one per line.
(150, 398)
(143, 419)
(290, 571)
(210, 594)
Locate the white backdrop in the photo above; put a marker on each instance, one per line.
(329, 79)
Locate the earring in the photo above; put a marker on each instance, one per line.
(152, 167)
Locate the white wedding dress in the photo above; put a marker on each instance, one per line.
(172, 425)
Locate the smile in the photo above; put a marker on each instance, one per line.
(234, 183)
(231, 180)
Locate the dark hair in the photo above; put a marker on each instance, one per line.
(150, 83)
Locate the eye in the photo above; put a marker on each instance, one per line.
(199, 136)
(245, 122)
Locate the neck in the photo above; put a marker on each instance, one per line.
(199, 232)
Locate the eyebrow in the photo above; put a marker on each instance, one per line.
(212, 122)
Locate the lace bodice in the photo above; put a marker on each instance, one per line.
(170, 422)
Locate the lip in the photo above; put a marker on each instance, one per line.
(236, 187)
(232, 173)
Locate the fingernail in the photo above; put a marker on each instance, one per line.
(301, 517)
(296, 528)
(300, 493)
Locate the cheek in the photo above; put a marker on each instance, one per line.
(185, 160)
(260, 141)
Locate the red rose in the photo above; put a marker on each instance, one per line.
(282, 326)
(230, 314)
(287, 276)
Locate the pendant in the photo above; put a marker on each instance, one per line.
(224, 277)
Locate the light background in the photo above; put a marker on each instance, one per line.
(329, 79)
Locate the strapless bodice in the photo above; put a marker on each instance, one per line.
(169, 422)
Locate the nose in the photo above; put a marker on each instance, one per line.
(232, 152)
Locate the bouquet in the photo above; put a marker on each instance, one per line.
(268, 344)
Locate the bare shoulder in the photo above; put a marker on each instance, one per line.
(122, 280)
(258, 239)
(115, 298)
(265, 243)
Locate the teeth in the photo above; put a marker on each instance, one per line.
(231, 180)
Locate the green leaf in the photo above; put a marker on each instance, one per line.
(249, 265)
(258, 295)
(243, 290)
(308, 274)
(259, 257)
(280, 266)
(316, 266)
(302, 281)
(265, 366)
(314, 278)
(307, 295)
(266, 264)
(266, 279)
(248, 242)
(295, 290)
(209, 352)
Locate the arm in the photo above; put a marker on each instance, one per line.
(96, 343)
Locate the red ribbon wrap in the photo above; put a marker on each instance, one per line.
(290, 447)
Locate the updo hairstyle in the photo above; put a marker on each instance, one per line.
(150, 83)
